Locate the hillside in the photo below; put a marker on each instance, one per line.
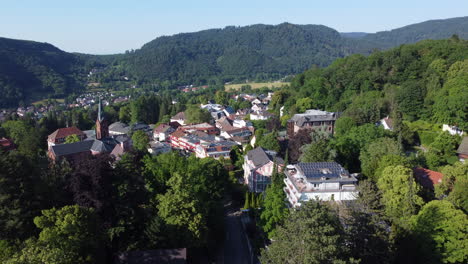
(423, 81)
(238, 52)
(432, 29)
(31, 69)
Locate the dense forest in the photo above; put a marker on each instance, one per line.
(30, 70)
(423, 81)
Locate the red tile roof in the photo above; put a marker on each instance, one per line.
(7, 144)
(427, 178)
(65, 132)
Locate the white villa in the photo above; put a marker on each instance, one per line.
(318, 180)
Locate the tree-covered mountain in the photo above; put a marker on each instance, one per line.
(432, 29)
(29, 69)
(238, 51)
(423, 81)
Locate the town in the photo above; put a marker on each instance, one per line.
(233, 133)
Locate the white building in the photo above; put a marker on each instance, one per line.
(453, 130)
(318, 180)
(387, 123)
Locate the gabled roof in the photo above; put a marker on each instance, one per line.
(65, 132)
(260, 156)
(119, 127)
(104, 145)
(179, 116)
(388, 121)
(313, 115)
(463, 148)
(427, 178)
(72, 148)
(163, 128)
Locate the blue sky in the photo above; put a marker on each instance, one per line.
(113, 26)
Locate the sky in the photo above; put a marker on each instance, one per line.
(113, 26)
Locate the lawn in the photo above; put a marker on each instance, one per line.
(44, 101)
(255, 85)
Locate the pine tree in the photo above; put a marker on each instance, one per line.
(247, 200)
(253, 204)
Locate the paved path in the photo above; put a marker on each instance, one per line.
(236, 250)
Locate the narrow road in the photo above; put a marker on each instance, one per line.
(236, 250)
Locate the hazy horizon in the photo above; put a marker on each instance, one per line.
(110, 27)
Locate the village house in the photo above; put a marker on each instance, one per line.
(258, 168)
(427, 178)
(462, 151)
(59, 136)
(314, 120)
(204, 127)
(179, 118)
(215, 149)
(156, 147)
(386, 123)
(162, 132)
(7, 144)
(453, 130)
(327, 181)
(260, 115)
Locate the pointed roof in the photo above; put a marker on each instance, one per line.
(260, 156)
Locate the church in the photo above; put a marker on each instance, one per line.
(99, 143)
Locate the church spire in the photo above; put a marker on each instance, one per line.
(100, 116)
(102, 130)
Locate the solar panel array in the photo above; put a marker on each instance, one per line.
(322, 169)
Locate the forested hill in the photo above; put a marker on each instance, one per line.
(427, 80)
(432, 29)
(238, 51)
(29, 69)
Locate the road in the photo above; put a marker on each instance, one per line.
(236, 250)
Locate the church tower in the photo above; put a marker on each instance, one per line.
(102, 128)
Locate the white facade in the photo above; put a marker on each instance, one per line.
(453, 130)
(330, 187)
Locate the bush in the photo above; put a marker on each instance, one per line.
(427, 137)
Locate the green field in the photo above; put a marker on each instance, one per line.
(255, 85)
(44, 101)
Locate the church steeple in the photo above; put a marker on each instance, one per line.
(102, 129)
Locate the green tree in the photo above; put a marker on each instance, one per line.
(303, 104)
(19, 198)
(372, 154)
(68, 235)
(343, 125)
(247, 201)
(269, 141)
(72, 139)
(366, 226)
(454, 185)
(391, 160)
(194, 114)
(399, 193)
(178, 209)
(441, 232)
(311, 234)
(140, 141)
(319, 148)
